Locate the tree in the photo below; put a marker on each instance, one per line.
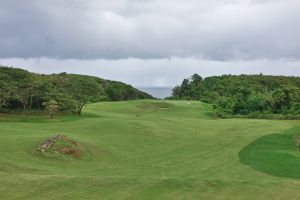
(83, 90)
(4, 93)
(283, 97)
(24, 94)
(20, 89)
(52, 108)
(196, 79)
(244, 94)
(176, 92)
(259, 103)
(24, 87)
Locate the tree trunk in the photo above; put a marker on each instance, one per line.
(80, 109)
(2, 102)
(30, 105)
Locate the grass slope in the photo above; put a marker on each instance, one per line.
(275, 154)
(172, 150)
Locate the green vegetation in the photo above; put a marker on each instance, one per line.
(22, 91)
(52, 107)
(257, 96)
(275, 154)
(172, 150)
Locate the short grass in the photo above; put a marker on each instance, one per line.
(275, 154)
(140, 150)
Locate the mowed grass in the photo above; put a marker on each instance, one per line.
(140, 150)
(275, 154)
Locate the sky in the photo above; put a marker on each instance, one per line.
(153, 43)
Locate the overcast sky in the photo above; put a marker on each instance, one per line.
(151, 42)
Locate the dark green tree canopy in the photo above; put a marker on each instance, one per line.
(20, 89)
(244, 94)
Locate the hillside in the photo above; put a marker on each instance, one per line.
(171, 150)
(20, 89)
(255, 95)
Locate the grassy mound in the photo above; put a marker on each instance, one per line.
(274, 154)
(60, 144)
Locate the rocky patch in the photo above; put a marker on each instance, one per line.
(60, 144)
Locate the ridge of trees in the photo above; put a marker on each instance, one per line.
(261, 96)
(26, 91)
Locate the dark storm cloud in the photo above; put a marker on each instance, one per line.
(99, 29)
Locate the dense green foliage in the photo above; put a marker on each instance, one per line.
(52, 108)
(254, 95)
(174, 150)
(20, 89)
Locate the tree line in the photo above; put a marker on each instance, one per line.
(28, 92)
(258, 96)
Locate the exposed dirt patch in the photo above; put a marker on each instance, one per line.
(61, 144)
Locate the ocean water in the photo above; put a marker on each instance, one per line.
(157, 92)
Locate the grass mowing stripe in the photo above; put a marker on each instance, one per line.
(177, 151)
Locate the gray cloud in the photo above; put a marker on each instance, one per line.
(147, 29)
(155, 72)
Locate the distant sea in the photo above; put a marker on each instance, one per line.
(157, 92)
